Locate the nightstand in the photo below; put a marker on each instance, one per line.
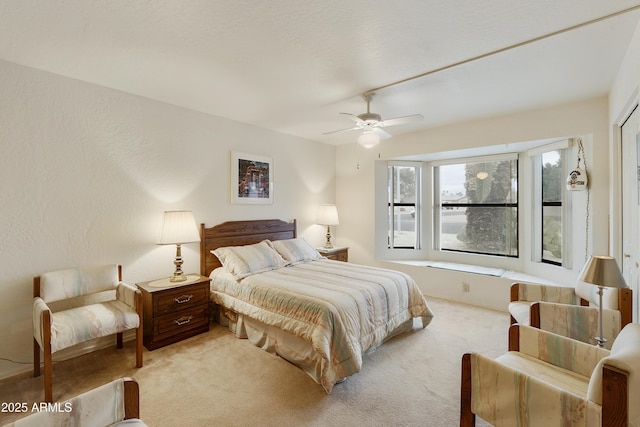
(338, 253)
(173, 311)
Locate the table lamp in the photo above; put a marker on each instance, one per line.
(602, 271)
(328, 215)
(179, 227)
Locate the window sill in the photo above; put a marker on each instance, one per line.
(515, 276)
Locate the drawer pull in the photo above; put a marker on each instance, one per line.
(183, 320)
(182, 299)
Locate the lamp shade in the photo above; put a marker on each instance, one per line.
(369, 139)
(603, 270)
(179, 227)
(327, 215)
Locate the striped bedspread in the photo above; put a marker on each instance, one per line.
(341, 309)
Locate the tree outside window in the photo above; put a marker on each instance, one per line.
(479, 207)
(552, 186)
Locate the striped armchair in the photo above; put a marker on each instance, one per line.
(113, 404)
(56, 328)
(546, 379)
(571, 311)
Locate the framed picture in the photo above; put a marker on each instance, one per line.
(251, 179)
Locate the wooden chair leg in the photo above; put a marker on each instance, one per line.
(48, 376)
(36, 358)
(139, 331)
(119, 339)
(467, 418)
(139, 347)
(48, 362)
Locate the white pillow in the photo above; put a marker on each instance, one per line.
(296, 250)
(243, 261)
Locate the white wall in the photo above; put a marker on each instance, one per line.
(87, 171)
(623, 96)
(355, 190)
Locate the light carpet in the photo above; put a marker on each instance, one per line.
(215, 379)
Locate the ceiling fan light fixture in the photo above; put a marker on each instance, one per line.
(369, 139)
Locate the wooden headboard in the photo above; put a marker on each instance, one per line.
(239, 233)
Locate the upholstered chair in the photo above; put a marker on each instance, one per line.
(546, 379)
(113, 404)
(571, 311)
(77, 305)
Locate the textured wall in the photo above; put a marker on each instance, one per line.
(87, 171)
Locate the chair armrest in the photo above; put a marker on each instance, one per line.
(578, 322)
(555, 349)
(622, 368)
(131, 399)
(550, 293)
(39, 308)
(497, 388)
(127, 294)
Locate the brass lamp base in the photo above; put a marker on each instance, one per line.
(178, 275)
(328, 244)
(178, 278)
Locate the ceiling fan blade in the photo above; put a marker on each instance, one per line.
(383, 134)
(342, 130)
(402, 120)
(353, 117)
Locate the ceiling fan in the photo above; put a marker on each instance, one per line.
(371, 124)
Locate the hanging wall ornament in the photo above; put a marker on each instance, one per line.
(577, 179)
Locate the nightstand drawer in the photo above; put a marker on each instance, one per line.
(181, 298)
(181, 321)
(174, 311)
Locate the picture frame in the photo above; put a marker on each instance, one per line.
(251, 179)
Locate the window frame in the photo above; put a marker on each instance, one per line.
(391, 204)
(537, 231)
(437, 206)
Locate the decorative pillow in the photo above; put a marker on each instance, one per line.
(296, 250)
(243, 261)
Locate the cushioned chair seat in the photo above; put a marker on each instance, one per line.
(546, 372)
(70, 327)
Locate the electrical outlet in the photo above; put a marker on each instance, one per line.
(465, 287)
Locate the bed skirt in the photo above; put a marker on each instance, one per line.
(286, 345)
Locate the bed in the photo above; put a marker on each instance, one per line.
(321, 315)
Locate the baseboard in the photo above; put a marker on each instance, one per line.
(21, 370)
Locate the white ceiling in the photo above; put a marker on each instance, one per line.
(293, 65)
